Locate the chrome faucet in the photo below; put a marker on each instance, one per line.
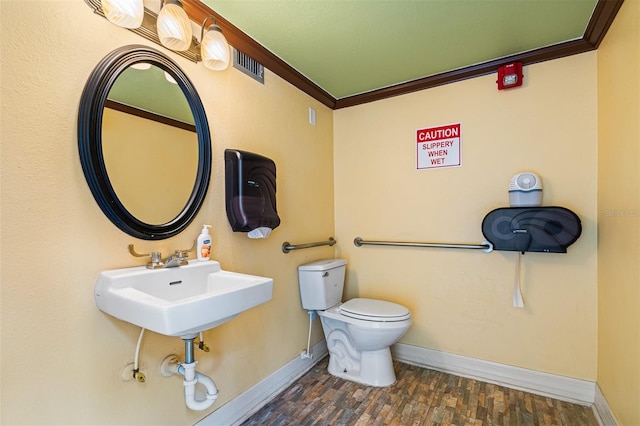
(156, 258)
(178, 258)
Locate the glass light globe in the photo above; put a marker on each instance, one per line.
(124, 13)
(215, 49)
(174, 27)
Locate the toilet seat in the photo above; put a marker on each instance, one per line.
(374, 310)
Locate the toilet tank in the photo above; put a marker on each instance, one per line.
(321, 283)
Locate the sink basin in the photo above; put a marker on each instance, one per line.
(180, 301)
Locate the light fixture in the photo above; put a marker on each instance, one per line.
(174, 26)
(214, 48)
(124, 13)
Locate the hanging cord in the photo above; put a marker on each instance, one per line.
(517, 294)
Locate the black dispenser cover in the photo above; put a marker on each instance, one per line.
(538, 229)
(250, 191)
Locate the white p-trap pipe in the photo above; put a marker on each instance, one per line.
(191, 377)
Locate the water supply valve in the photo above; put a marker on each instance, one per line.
(138, 376)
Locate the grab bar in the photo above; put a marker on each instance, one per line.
(486, 246)
(287, 247)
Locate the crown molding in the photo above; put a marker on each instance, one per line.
(198, 11)
(601, 19)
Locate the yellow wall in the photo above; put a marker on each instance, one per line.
(619, 215)
(460, 299)
(61, 357)
(148, 160)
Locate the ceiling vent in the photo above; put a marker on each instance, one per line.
(248, 65)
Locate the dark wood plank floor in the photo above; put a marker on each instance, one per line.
(419, 397)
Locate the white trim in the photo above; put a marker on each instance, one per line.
(253, 399)
(552, 385)
(601, 410)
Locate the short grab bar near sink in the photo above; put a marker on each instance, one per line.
(287, 247)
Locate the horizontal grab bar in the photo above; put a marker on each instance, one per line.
(287, 247)
(486, 246)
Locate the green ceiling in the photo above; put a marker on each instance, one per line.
(356, 46)
(149, 90)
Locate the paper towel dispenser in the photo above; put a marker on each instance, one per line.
(250, 191)
(536, 229)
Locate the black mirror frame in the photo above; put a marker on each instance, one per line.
(90, 116)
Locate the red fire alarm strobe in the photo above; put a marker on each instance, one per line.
(510, 75)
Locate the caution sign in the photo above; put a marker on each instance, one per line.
(439, 147)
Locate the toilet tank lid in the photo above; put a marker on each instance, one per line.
(374, 308)
(322, 265)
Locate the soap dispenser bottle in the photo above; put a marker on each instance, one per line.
(204, 244)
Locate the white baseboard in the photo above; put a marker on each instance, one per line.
(249, 402)
(601, 410)
(551, 385)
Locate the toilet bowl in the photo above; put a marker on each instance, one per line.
(359, 332)
(359, 347)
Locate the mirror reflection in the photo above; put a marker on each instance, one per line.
(149, 143)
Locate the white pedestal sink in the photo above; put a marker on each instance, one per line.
(181, 301)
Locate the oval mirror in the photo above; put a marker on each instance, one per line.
(144, 143)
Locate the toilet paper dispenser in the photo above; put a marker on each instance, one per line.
(533, 229)
(250, 191)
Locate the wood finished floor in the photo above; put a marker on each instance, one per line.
(419, 397)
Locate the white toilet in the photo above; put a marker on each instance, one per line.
(360, 331)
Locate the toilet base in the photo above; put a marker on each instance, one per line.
(375, 368)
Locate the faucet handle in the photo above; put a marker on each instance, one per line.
(156, 257)
(183, 254)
